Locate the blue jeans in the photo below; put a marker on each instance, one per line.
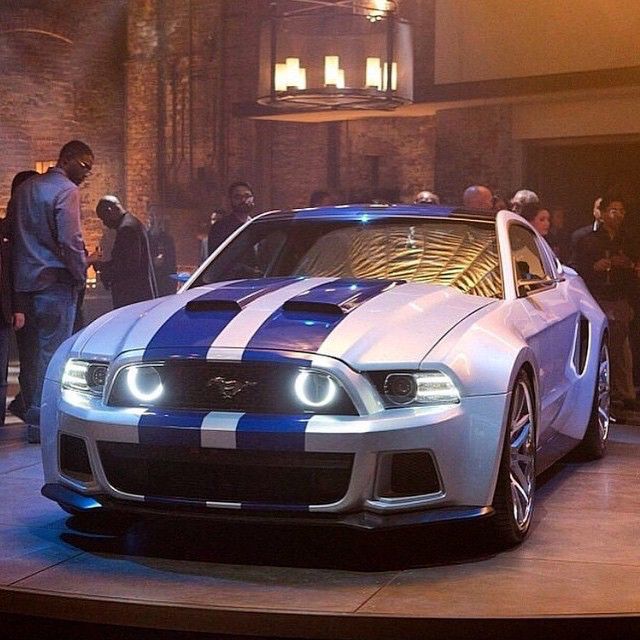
(49, 322)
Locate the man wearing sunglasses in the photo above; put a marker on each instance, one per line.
(49, 264)
(242, 203)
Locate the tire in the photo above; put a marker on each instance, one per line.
(594, 443)
(513, 499)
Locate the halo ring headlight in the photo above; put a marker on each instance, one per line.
(324, 389)
(151, 388)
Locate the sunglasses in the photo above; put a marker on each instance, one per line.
(85, 165)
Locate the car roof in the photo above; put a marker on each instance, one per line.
(365, 212)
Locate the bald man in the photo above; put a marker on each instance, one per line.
(129, 273)
(426, 197)
(477, 197)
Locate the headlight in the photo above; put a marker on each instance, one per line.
(82, 375)
(144, 383)
(428, 387)
(315, 389)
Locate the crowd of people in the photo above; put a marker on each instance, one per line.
(599, 248)
(607, 257)
(43, 269)
(43, 264)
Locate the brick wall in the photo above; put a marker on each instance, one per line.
(151, 86)
(61, 78)
(37, 108)
(291, 162)
(188, 63)
(392, 156)
(475, 146)
(99, 95)
(141, 124)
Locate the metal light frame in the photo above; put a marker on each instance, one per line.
(324, 98)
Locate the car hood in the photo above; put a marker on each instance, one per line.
(365, 323)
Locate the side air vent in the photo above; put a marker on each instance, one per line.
(581, 347)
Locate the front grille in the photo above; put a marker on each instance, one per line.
(262, 387)
(227, 475)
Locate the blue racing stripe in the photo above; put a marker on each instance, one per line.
(171, 428)
(274, 356)
(303, 329)
(268, 432)
(191, 333)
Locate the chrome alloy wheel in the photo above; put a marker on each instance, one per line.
(604, 393)
(522, 454)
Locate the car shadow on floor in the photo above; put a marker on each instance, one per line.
(285, 545)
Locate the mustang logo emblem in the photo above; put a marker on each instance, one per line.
(229, 388)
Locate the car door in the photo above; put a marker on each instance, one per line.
(547, 321)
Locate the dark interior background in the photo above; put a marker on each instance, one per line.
(574, 175)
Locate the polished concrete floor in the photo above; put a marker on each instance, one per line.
(581, 559)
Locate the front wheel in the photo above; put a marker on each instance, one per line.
(594, 443)
(514, 496)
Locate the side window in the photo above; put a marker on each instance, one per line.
(550, 261)
(527, 261)
(251, 255)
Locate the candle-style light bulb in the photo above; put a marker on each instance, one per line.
(281, 77)
(293, 71)
(373, 76)
(331, 68)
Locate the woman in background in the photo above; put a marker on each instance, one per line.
(538, 216)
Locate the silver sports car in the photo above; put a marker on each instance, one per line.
(370, 366)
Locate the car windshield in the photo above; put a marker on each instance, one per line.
(455, 253)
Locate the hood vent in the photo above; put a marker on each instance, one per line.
(213, 305)
(309, 306)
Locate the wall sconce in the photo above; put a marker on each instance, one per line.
(340, 54)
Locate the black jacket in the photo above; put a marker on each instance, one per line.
(10, 300)
(221, 230)
(129, 273)
(616, 284)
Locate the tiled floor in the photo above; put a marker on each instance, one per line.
(581, 558)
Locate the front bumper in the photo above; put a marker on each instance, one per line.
(464, 441)
(76, 502)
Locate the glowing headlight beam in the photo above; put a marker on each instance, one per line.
(301, 389)
(85, 376)
(436, 387)
(139, 394)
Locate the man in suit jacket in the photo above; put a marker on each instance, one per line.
(128, 273)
